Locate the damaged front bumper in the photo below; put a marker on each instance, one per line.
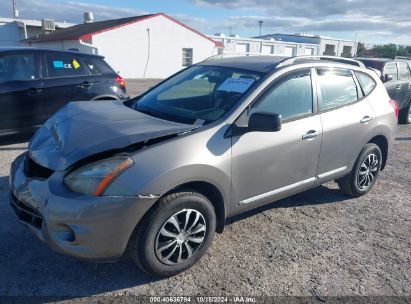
(86, 227)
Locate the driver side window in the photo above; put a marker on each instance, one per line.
(291, 96)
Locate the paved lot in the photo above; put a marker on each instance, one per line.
(319, 243)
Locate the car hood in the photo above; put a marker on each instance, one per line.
(82, 129)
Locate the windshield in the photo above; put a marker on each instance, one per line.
(200, 94)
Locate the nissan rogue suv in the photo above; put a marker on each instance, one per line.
(35, 83)
(156, 176)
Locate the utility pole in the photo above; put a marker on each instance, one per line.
(15, 12)
(260, 23)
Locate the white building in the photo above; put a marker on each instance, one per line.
(237, 44)
(149, 46)
(13, 31)
(327, 46)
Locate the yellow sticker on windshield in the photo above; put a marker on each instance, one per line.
(76, 65)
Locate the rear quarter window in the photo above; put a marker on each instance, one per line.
(65, 65)
(97, 66)
(366, 82)
(404, 71)
(337, 88)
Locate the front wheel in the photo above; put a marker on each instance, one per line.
(364, 173)
(174, 235)
(405, 114)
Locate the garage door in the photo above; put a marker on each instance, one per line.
(241, 48)
(267, 49)
(309, 51)
(289, 51)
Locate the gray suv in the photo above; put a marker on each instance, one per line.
(156, 176)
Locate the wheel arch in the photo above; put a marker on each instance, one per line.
(213, 194)
(105, 97)
(382, 142)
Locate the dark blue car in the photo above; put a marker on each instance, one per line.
(35, 83)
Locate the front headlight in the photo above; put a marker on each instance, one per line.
(94, 178)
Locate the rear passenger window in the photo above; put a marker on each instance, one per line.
(367, 83)
(64, 65)
(97, 66)
(337, 88)
(404, 71)
(17, 67)
(391, 69)
(291, 97)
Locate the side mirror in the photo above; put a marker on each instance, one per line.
(387, 78)
(264, 122)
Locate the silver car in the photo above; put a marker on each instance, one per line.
(156, 176)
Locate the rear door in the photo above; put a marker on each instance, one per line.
(67, 79)
(102, 80)
(21, 92)
(345, 116)
(404, 81)
(393, 86)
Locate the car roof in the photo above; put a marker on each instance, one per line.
(375, 59)
(265, 64)
(17, 48)
(260, 64)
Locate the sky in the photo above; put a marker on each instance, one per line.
(369, 21)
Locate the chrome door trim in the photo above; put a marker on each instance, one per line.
(289, 187)
(276, 191)
(329, 173)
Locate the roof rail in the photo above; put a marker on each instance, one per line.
(237, 54)
(320, 58)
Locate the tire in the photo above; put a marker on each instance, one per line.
(405, 115)
(149, 248)
(354, 184)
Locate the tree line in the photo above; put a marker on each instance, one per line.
(384, 51)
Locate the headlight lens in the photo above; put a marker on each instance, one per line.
(94, 178)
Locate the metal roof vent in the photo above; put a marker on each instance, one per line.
(48, 25)
(88, 17)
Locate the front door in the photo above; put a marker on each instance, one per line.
(21, 94)
(68, 79)
(270, 165)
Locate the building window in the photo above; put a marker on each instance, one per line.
(187, 57)
(329, 50)
(347, 51)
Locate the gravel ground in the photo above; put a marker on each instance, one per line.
(318, 243)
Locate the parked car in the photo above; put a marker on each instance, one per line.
(396, 75)
(35, 83)
(158, 175)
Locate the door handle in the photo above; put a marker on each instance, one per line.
(311, 134)
(34, 91)
(398, 86)
(85, 84)
(365, 119)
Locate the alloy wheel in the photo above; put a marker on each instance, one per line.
(180, 237)
(367, 172)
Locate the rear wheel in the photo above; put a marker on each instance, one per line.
(174, 235)
(405, 114)
(364, 173)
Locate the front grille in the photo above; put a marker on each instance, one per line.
(26, 213)
(34, 170)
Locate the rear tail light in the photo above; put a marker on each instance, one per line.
(120, 80)
(394, 104)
